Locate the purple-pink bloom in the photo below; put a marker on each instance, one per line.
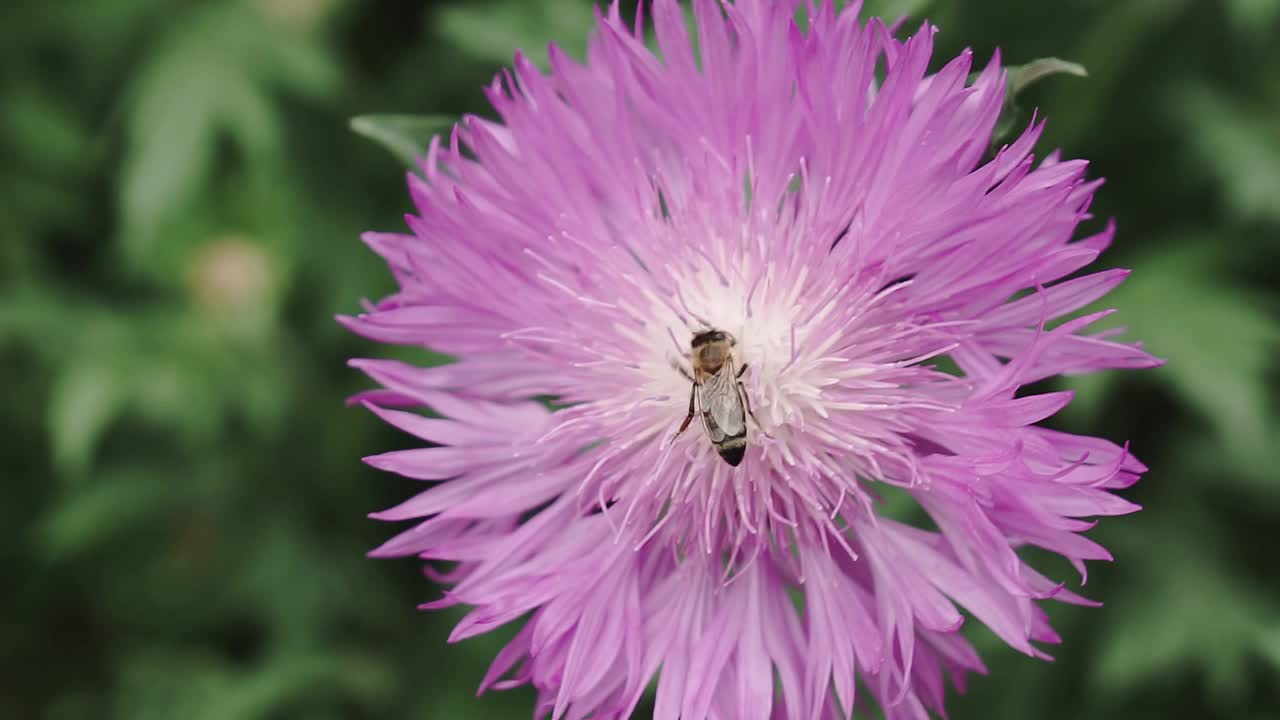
(823, 198)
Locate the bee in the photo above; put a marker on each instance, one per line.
(718, 394)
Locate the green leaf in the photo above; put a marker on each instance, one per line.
(1156, 640)
(176, 371)
(95, 513)
(49, 135)
(1023, 76)
(171, 144)
(1184, 609)
(1254, 16)
(212, 79)
(84, 401)
(406, 136)
(1117, 39)
(894, 9)
(1019, 78)
(1219, 340)
(1239, 144)
(165, 683)
(492, 31)
(1269, 645)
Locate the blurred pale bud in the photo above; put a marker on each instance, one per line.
(230, 274)
(298, 14)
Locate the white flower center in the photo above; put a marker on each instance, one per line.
(782, 384)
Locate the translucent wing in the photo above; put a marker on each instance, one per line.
(721, 404)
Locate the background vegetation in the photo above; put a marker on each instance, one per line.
(180, 198)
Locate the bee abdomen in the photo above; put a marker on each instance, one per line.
(733, 450)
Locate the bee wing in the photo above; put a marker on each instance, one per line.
(722, 411)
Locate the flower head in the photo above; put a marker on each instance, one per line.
(822, 199)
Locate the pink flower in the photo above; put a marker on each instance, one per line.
(821, 198)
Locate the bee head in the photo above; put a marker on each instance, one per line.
(707, 337)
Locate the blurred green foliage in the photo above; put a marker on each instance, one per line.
(180, 201)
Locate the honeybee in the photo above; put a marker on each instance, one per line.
(718, 394)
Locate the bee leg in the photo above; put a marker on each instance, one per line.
(746, 399)
(689, 418)
(741, 371)
(680, 368)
